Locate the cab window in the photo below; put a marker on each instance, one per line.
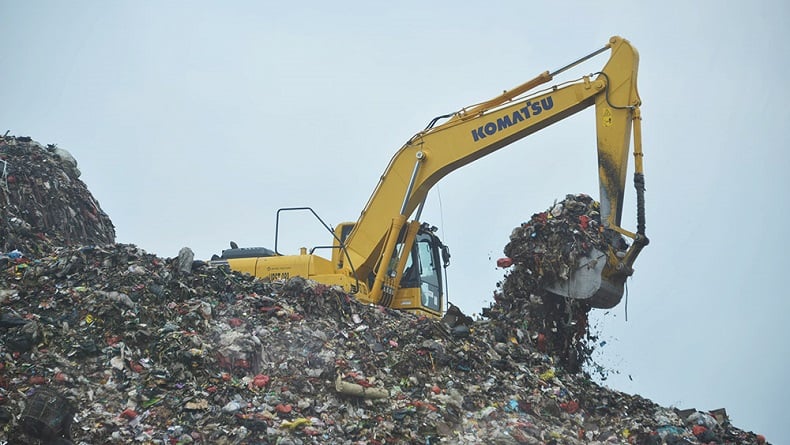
(430, 282)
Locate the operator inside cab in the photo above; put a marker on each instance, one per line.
(424, 273)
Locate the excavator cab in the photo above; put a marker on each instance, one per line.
(424, 271)
(413, 278)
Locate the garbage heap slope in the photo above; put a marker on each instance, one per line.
(43, 203)
(137, 348)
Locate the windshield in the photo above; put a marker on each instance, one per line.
(430, 274)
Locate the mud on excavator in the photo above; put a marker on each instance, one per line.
(386, 259)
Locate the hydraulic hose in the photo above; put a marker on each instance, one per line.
(639, 184)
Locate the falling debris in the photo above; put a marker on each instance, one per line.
(541, 252)
(138, 348)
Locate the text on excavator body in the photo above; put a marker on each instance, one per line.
(529, 109)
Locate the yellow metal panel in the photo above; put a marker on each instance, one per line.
(283, 267)
(614, 113)
(409, 299)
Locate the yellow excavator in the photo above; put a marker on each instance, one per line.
(387, 259)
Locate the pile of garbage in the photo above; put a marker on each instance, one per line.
(142, 351)
(44, 203)
(547, 248)
(105, 343)
(540, 252)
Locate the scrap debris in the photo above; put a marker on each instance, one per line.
(548, 246)
(137, 350)
(541, 252)
(43, 203)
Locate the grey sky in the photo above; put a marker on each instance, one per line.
(193, 122)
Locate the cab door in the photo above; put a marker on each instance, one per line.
(423, 275)
(427, 252)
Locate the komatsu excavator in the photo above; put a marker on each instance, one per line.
(386, 259)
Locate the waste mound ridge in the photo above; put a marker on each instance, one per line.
(44, 203)
(131, 347)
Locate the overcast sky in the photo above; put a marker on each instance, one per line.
(193, 122)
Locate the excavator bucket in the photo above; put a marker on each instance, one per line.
(590, 281)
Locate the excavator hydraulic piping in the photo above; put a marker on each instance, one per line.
(616, 107)
(419, 210)
(420, 157)
(436, 119)
(585, 58)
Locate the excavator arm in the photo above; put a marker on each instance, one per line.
(476, 131)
